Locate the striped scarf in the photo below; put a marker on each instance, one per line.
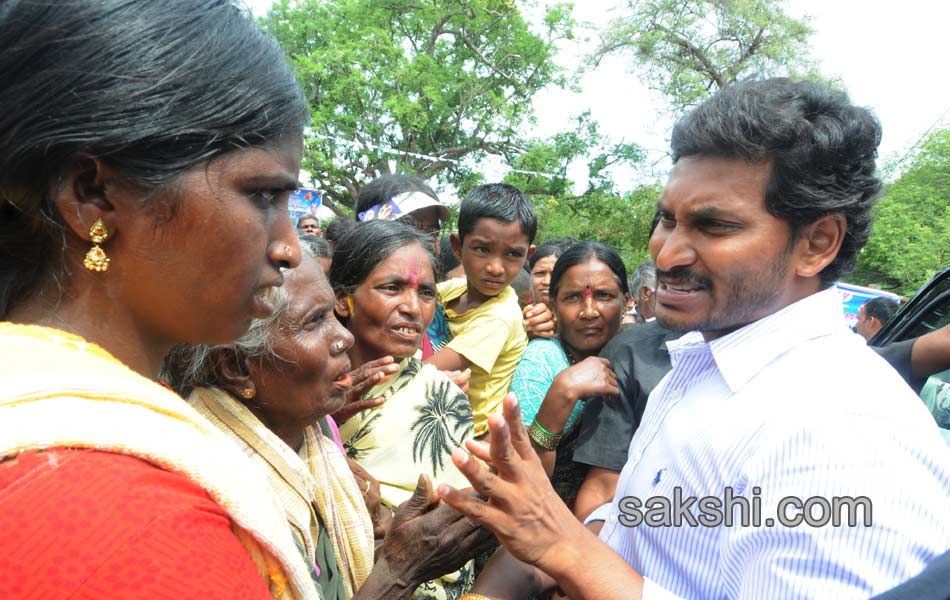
(318, 479)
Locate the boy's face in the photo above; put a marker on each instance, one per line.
(492, 254)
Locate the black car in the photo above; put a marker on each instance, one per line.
(928, 310)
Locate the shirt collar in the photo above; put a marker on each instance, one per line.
(743, 353)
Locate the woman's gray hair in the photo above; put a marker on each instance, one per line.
(188, 366)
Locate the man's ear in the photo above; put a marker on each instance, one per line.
(234, 374)
(456, 245)
(81, 196)
(531, 250)
(818, 244)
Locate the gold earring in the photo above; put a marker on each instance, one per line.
(247, 393)
(96, 259)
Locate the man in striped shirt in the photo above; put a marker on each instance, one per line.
(761, 437)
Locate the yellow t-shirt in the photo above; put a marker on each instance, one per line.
(492, 338)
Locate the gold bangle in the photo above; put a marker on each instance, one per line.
(542, 437)
(471, 596)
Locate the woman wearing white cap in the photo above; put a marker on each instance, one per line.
(395, 197)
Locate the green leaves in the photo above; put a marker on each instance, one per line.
(911, 236)
(688, 49)
(452, 79)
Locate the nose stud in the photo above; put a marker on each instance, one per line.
(337, 347)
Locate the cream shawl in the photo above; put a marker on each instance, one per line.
(317, 479)
(57, 390)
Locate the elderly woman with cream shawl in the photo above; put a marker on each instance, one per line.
(271, 392)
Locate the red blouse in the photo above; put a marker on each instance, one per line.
(84, 524)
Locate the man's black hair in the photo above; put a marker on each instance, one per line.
(882, 309)
(501, 202)
(337, 229)
(821, 146)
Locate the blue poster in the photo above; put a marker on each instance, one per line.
(304, 201)
(853, 296)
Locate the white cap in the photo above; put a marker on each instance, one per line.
(401, 205)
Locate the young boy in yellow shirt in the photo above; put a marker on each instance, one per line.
(496, 229)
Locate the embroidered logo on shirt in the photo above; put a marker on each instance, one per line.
(656, 479)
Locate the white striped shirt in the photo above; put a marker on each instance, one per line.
(796, 405)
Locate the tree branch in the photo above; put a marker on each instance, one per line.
(482, 57)
(747, 54)
(696, 53)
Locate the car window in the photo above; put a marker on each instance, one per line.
(936, 316)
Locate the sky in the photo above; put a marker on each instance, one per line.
(891, 57)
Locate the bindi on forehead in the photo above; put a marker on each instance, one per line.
(414, 273)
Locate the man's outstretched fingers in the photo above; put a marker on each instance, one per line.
(484, 481)
(517, 432)
(480, 450)
(503, 456)
(466, 504)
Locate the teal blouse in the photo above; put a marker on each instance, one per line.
(542, 361)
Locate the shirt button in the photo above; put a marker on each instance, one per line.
(611, 518)
(675, 394)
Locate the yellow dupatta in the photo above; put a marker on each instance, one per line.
(57, 390)
(320, 478)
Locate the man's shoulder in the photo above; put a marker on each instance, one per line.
(839, 374)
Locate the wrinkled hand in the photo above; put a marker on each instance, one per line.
(460, 378)
(428, 539)
(521, 507)
(379, 513)
(539, 321)
(364, 378)
(588, 378)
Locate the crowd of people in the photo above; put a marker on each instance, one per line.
(200, 398)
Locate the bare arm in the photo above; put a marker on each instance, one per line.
(447, 359)
(507, 578)
(590, 377)
(931, 353)
(598, 489)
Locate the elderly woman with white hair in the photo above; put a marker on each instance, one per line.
(267, 392)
